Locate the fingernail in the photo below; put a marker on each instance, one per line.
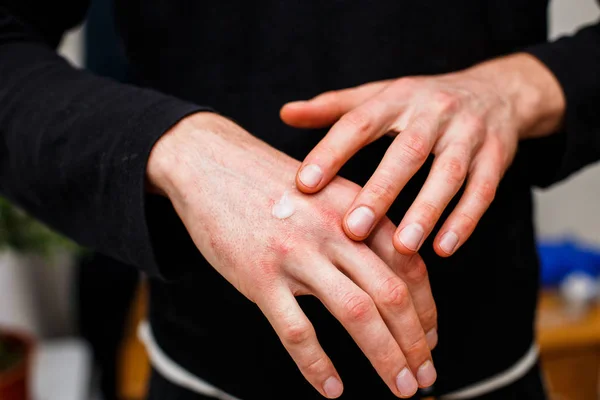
(406, 383)
(426, 374)
(360, 221)
(311, 175)
(333, 387)
(432, 338)
(411, 236)
(449, 242)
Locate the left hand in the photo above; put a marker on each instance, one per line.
(470, 120)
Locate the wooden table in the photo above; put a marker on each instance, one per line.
(570, 348)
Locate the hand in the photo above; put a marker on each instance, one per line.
(470, 120)
(223, 183)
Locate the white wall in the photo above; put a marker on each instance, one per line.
(572, 207)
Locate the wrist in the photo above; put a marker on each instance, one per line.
(166, 165)
(534, 92)
(204, 145)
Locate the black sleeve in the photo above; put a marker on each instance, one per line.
(575, 61)
(74, 146)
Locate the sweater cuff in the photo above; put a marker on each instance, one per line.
(575, 61)
(156, 239)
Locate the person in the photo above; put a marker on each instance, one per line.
(146, 176)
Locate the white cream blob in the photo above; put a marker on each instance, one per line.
(284, 208)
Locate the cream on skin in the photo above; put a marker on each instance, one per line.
(284, 208)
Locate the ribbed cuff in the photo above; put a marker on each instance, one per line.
(151, 229)
(575, 61)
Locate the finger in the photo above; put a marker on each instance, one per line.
(326, 108)
(358, 314)
(393, 300)
(352, 132)
(300, 340)
(445, 179)
(482, 183)
(402, 160)
(412, 270)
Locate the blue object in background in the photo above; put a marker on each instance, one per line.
(561, 258)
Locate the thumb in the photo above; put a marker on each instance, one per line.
(325, 109)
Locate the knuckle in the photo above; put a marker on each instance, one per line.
(416, 149)
(386, 358)
(382, 189)
(469, 222)
(279, 245)
(417, 349)
(315, 367)
(358, 121)
(455, 170)
(416, 272)
(358, 308)
(428, 318)
(394, 293)
(297, 333)
(446, 102)
(485, 191)
(430, 212)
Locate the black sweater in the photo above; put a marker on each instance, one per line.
(74, 149)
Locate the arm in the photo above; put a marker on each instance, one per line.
(74, 146)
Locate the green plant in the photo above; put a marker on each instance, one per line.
(24, 234)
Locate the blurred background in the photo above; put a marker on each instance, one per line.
(88, 350)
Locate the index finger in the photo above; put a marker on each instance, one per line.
(352, 132)
(326, 108)
(405, 156)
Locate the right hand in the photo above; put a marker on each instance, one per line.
(223, 182)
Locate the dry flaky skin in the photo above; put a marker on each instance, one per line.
(381, 297)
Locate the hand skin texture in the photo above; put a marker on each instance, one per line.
(223, 182)
(470, 120)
